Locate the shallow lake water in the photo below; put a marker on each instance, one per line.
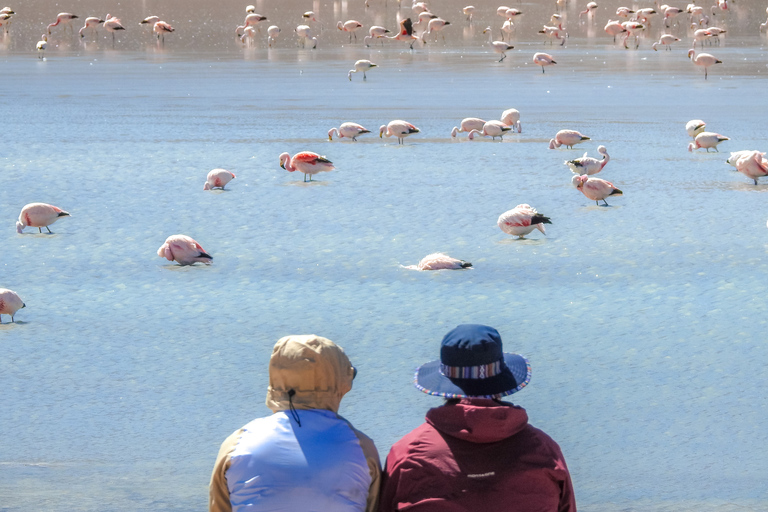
(642, 320)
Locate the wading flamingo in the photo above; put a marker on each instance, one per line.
(42, 44)
(251, 20)
(439, 261)
(695, 127)
(590, 10)
(91, 22)
(543, 60)
(63, 18)
(499, 47)
(150, 21)
(184, 250)
(707, 140)
(614, 28)
(350, 130)
(272, 32)
(39, 215)
(491, 129)
(511, 117)
(703, 59)
(306, 162)
(399, 129)
(468, 12)
(435, 25)
(751, 164)
(521, 220)
(567, 138)
(161, 28)
(666, 40)
(218, 178)
(10, 303)
(376, 32)
(589, 165)
(405, 33)
(634, 29)
(112, 24)
(467, 125)
(305, 34)
(361, 65)
(351, 26)
(595, 188)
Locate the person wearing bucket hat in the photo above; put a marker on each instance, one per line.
(304, 457)
(475, 452)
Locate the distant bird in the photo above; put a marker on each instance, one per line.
(439, 261)
(703, 59)
(499, 47)
(566, 138)
(309, 16)
(695, 127)
(112, 24)
(491, 129)
(399, 129)
(590, 10)
(521, 220)
(666, 40)
(624, 12)
(595, 188)
(251, 20)
(10, 303)
(376, 32)
(351, 26)
(543, 59)
(419, 7)
(469, 11)
(589, 165)
(502, 11)
(554, 32)
(349, 130)
(218, 178)
(306, 162)
(736, 155)
(272, 32)
(184, 250)
(633, 29)
(249, 9)
(751, 164)
(707, 140)
(91, 22)
(161, 28)
(671, 13)
(42, 44)
(435, 26)
(512, 13)
(150, 21)
(614, 28)
(361, 65)
(511, 117)
(64, 18)
(305, 34)
(406, 33)
(39, 215)
(467, 125)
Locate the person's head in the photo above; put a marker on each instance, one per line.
(308, 371)
(472, 365)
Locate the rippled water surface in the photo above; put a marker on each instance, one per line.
(644, 321)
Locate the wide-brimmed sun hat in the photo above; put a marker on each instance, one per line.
(472, 365)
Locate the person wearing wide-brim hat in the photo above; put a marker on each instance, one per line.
(476, 452)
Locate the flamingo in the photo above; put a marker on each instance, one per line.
(406, 32)
(567, 138)
(307, 162)
(361, 65)
(521, 220)
(736, 155)
(491, 129)
(250, 9)
(498, 46)
(595, 188)
(64, 18)
(351, 26)
(161, 28)
(633, 28)
(707, 140)
(251, 20)
(511, 117)
(695, 127)
(671, 13)
(10, 303)
(553, 32)
(39, 215)
(305, 33)
(507, 28)
(435, 25)
(5, 21)
(467, 125)
(614, 28)
(150, 21)
(41, 46)
(218, 178)
(423, 18)
(751, 164)
(502, 11)
(439, 261)
(309, 16)
(701, 35)
(272, 32)
(419, 7)
(512, 13)
(715, 32)
(703, 59)
(624, 12)
(589, 165)
(350, 130)
(590, 10)
(112, 24)
(644, 15)
(184, 250)
(666, 40)
(720, 5)
(468, 12)
(376, 32)
(91, 22)
(399, 129)
(249, 34)
(543, 59)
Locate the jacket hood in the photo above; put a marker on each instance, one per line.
(478, 420)
(315, 368)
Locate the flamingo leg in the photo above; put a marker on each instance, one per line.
(49, 230)
(40, 230)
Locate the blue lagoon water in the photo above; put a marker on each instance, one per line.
(644, 321)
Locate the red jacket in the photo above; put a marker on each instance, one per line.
(476, 456)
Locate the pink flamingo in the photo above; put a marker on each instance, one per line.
(39, 215)
(361, 65)
(703, 59)
(695, 127)
(184, 250)
(707, 140)
(666, 40)
(439, 261)
(161, 28)
(150, 21)
(543, 59)
(589, 165)
(350, 130)
(751, 164)
(590, 10)
(624, 12)
(64, 18)
(595, 188)
(10, 303)
(499, 47)
(405, 33)
(554, 32)
(397, 128)
(521, 220)
(351, 26)
(468, 12)
(435, 25)
(272, 32)
(376, 32)
(491, 129)
(91, 22)
(467, 125)
(633, 28)
(671, 13)
(112, 24)
(614, 28)
(307, 162)
(42, 44)
(566, 138)
(251, 20)
(218, 178)
(511, 117)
